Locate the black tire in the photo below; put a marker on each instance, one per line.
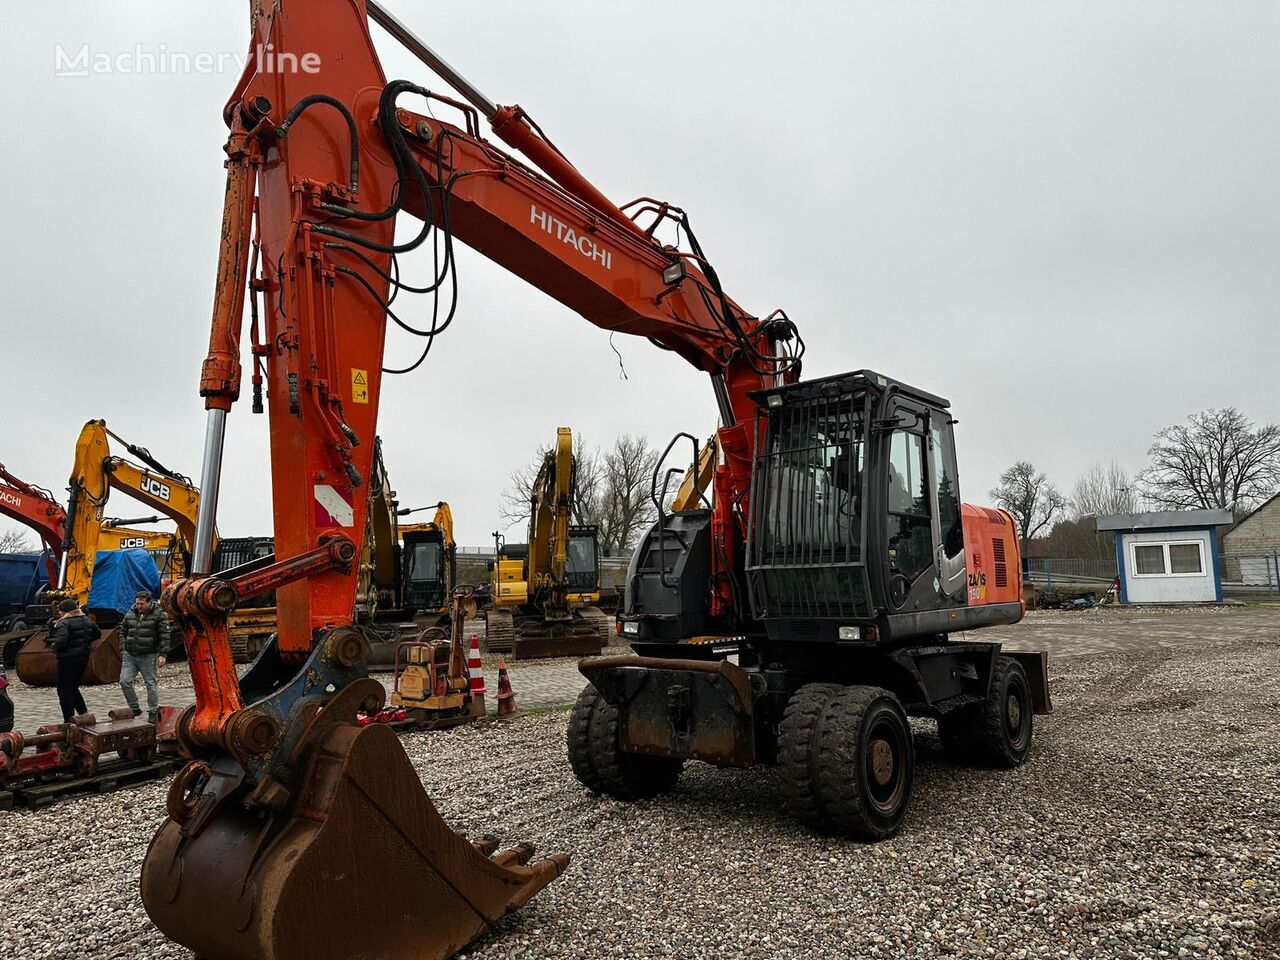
(1004, 726)
(578, 738)
(865, 763)
(602, 767)
(797, 738)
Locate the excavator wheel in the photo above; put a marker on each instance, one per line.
(603, 768)
(797, 740)
(351, 859)
(865, 763)
(579, 740)
(1006, 716)
(996, 733)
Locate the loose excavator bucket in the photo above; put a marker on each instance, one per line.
(355, 862)
(38, 667)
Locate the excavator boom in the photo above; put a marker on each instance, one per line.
(34, 507)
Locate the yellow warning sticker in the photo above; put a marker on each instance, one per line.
(359, 386)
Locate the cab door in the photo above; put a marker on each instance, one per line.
(923, 537)
(910, 514)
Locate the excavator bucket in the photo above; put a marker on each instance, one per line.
(38, 667)
(356, 862)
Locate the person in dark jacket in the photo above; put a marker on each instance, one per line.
(144, 635)
(73, 636)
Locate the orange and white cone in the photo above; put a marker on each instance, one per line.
(506, 694)
(475, 670)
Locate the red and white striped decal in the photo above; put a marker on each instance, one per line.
(334, 506)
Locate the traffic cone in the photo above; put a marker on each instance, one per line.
(506, 695)
(475, 670)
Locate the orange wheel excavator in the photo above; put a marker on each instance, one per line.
(815, 593)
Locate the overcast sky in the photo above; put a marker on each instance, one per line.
(1063, 216)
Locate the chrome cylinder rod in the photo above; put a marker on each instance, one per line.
(210, 479)
(411, 42)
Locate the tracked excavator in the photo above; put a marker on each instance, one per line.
(164, 546)
(36, 508)
(798, 616)
(94, 474)
(407, 571)
(543, 593)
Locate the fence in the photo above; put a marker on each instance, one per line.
(1250, 573)
(1061, 572)
(1242, 574)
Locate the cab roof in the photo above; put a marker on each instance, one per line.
(855, 381)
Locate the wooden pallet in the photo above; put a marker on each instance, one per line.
(109, 778)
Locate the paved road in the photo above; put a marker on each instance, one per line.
(554, 683)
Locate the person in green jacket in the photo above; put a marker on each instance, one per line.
(144, 637)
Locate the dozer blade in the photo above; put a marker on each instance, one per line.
(535, 639)
(357, 864)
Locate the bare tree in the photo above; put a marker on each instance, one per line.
(1027, 494)
(1215, 460)
(15, 540)
(626, 509)
(1103, 489)
(588, 469)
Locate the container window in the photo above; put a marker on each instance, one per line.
(1148, 560)
(1185, 558)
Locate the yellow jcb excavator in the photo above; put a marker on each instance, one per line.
(543, 593)
(165, 546)
(95, 473)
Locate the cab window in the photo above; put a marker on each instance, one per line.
(909, 533)
(943, 461)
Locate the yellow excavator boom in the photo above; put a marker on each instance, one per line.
(697, 481)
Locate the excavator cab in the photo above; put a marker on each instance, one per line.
(583, 569)
(427, 570)
(857, 529)
(856, 532)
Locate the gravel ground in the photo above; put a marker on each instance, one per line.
(1147, 824)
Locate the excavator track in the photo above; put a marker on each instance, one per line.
(600, 621)
(499, 631)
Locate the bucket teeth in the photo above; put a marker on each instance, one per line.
(520, 854)
(312, 880)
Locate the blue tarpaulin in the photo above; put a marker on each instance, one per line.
(118, 575)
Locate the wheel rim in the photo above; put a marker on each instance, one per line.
(1016, 716)
(885, 761)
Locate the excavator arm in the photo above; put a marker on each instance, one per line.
(35, 508)
(551, 511)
